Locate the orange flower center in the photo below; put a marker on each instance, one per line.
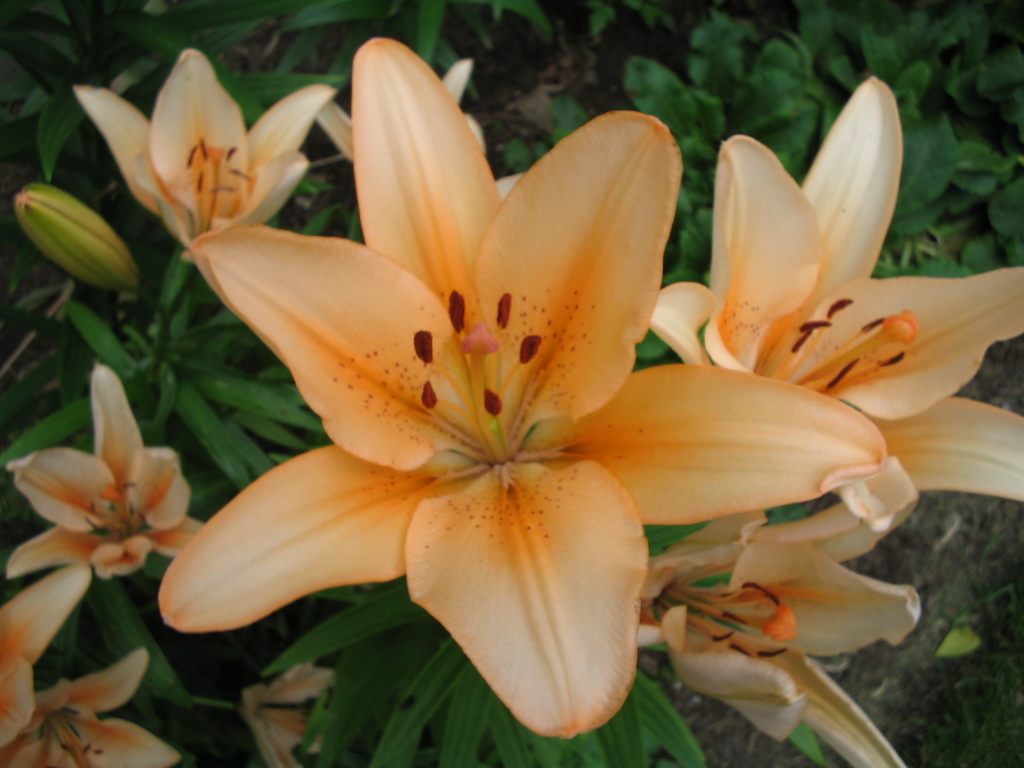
(220, 189)
(111, 514)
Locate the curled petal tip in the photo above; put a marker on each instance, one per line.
(844, 475)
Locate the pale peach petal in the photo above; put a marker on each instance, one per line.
(298, 684)
(126, 130)
(112, 687)
(837, 718)
(426, 193)
(853, 183)
(275, 182)
(961, 445)
(836, 610)
(343, 319)
(16, 698)
(56, 546)
(191, 107)
(681, 311)
(578, 245)
(766, 251)
(834, 521)
(176, 217)
(119, 558)
(62, 484)
(337, 124)
(30, 619)
(506, 183)
(457, 77)
(695, 442)
(284, 126)
(171, 541)
(881, 499)
(124, 744)
(958, 320)
(843, 546)
(157, 489)
(538, 581)
(115, 430)
(320, 520)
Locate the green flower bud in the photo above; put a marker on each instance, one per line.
(75, 237)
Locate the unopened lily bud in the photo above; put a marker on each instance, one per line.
(75, 237)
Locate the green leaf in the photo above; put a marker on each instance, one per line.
(567, 115)
(528, 8)
(51, 430)
(662, 721)
(660, 537)
(18, 134)
(1006, 209)
(123, 632)
(269, 87)
(981, 254)
(804, 739)
(421, 699)
(100, 337)
(389, 607)
(338, 13)
(620, 737)
(269, 429)
(428, 27)
(930, 153)
(509, 736)
(224, 13)
(12, 9)
(57, 122)
(959, 641)
(280, 402)
(206, 425)
(469, 713)
(18, 398)
(1001, 73)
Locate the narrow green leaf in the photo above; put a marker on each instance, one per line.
(209, 430)
(31, 320)
(280, 402)
(959, 641)
(268, 429)
(620, 737)
(428, 29)
(470, 710)
(388, 607)
(528, 8)
(804, 739)
(225, 13)
(59, 119)
(254, 456)
(100, 337)
(272, 86)
(421, 699)
(18, 398)
(510, 737)
(123, 631)
(664, 724)
(18, 134)
(660, 537)
(51, 430)
(338, 13)
(12, 9)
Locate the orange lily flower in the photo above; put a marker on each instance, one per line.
(791, 296)
(269, 711)
(28, 623)
(194, 165)
(64, 731)
(472, 364)
(745, 640)
(112, 508)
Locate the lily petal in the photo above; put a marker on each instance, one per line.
(275, 182)
(880, 500)
(321, 520)
(961, 445)
(124, 743)
(192, 107)
(116, 432)
(538, 582)
(681, 311)
(695, 442)
(764, 228)
(30, 619)
(53, 547)
(456, 78)
(853, 183)
(112, 687)
(284, 126)
(126, 130)
(836, 610)
(61, 484)
(337, 124)
(328, 308)
(426, 193)
(158, 490)
(17, 701)
(171, 541)
(578, 246)
(958, 321)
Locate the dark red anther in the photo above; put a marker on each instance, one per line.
(769, 654)
(720, 638)
(199, 182)
(231, 153)
(872, 325)
(239, 173)
(457, 311)
(732, 617)
(735, 647)
(839, 376)
(801, 341)
(191, 156)
(759, 588)
(528, 349)
(423, 343)
(839, 305)
(892, 360)
(814, 325)
(504, 310)
(428, 397)
(492, 402)
(202, 147)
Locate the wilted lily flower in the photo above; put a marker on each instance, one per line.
(472, 364)
(111, 509)
(271, 712)
(77, 238)
(64, 731)
(28, 622)
(195, 165)
(791, 296)
(741, 614)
